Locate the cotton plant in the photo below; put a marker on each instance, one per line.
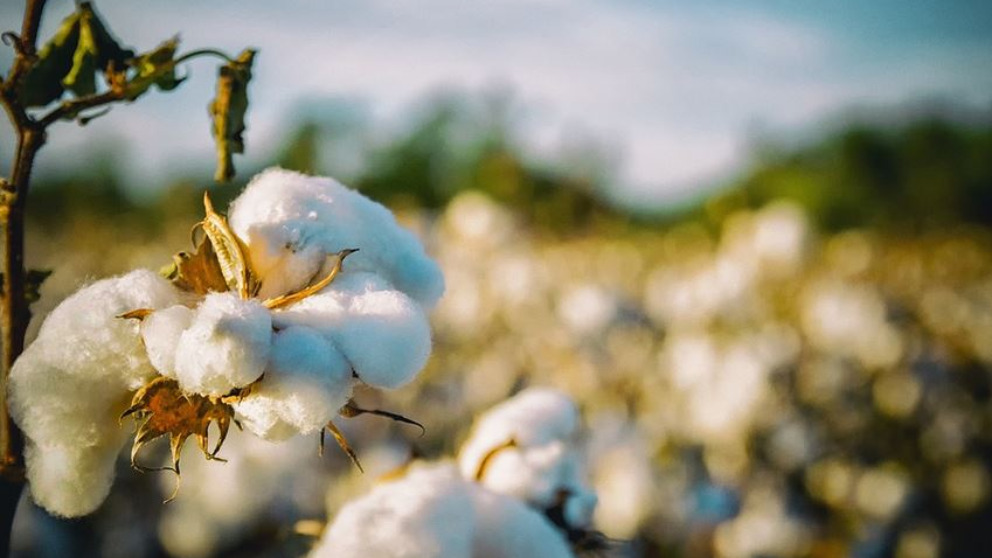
(306, 289)
(516, 490)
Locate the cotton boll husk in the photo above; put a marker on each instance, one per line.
(383, 333)
(506, 528)
(161, 331)
(306, 382)
(291, 222)
(427, 514)
(69, 387)
(225, 347)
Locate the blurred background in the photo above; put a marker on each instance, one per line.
(751, 239)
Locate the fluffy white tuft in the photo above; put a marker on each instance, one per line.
(508, 528)
(160, 332)
(226, 345)
(527, 445)
(427, 514)
(383, 333)
(68, 388)
(434, 513)
(291, 222)
(305, 384)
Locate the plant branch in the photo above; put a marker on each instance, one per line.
(27, 42)
(73, 107)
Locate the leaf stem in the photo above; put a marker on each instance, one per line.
(203, 52)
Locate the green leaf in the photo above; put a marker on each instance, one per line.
(228, 112)
(155, 67)
(81, 79)
(43, 82)
(109, 51)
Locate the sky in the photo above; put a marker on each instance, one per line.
(677, 91)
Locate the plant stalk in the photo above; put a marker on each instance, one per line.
(14, 313)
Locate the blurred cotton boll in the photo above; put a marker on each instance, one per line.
(432, 512)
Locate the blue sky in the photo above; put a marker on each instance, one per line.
(677, 90)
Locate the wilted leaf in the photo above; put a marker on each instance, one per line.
(43, 83)
(109, 51)
(95, 51)
(81, 79)
(228, 112)
(155, 67)
(162, 408)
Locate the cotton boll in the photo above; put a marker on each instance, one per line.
(533, 417)
(160, 332)
(291, 222)
(69, 387)
(71, 481)
(541, 466)
(226, 346)
(383, 333)
(506, 528)
(427, 514)
(306, 382)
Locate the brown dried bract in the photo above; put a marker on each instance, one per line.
(199, 272)
(162, 408)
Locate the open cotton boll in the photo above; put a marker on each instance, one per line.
(427, 514)
(226, 345)
(383, 333)
(541, 466)
(433, 513)
(306, 382)
(533, 417)
(160, 332)
(70, 385)
(533, 475)
(291, 222)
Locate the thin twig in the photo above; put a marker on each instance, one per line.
(72, 107)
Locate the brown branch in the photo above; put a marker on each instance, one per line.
(27, 42)
(72, 107)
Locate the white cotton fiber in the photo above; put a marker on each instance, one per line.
(532, 418)
(542, 465)
(383, 333)
(434, 513)
(291, 222)
(160, 332)
(226, 345)
(507, 528)
(69, 387)
(427, 514)
(306, 382)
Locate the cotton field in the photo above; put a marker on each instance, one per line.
(746, 388)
